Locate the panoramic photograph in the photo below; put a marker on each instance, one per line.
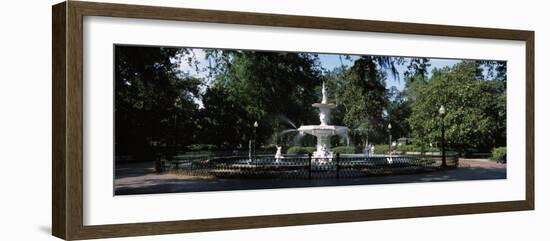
(190, 119)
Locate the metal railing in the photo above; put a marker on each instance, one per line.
(302, 166)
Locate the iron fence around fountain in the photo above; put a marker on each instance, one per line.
(302, 166)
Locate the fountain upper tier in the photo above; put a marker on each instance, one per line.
(324, 112)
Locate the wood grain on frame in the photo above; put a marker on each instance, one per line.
(67, 123)
(59, 193)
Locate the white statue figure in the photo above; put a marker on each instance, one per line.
(389, 159)
(279, 154)
(372, 149)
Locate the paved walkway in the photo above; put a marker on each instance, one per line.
(140, 178)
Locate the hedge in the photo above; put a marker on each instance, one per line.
(497, 152)
(344, 149)
(201, 147)
(301, 150)
(403, 149)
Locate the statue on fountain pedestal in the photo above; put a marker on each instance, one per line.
(325, 152)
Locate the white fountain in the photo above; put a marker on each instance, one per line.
(324, 131)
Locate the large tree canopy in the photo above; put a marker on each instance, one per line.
(150, 95)
(266, 87)
(364, 98)
(475, 109)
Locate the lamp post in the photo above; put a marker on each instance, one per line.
(442, 114)
(389, 131)
(254, 146)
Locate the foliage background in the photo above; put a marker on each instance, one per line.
(161, 108)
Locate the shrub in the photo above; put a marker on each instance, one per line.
(201, 147)
(381, 149)
(301, 150)
(403, 149)
(344, 149)
(268, 149)
(498, 152)
(408, 148)
(413, 148)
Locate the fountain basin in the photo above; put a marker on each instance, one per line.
(323, 134)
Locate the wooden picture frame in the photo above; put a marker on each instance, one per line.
(67, 150)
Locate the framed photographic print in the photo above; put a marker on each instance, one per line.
(171, 120)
